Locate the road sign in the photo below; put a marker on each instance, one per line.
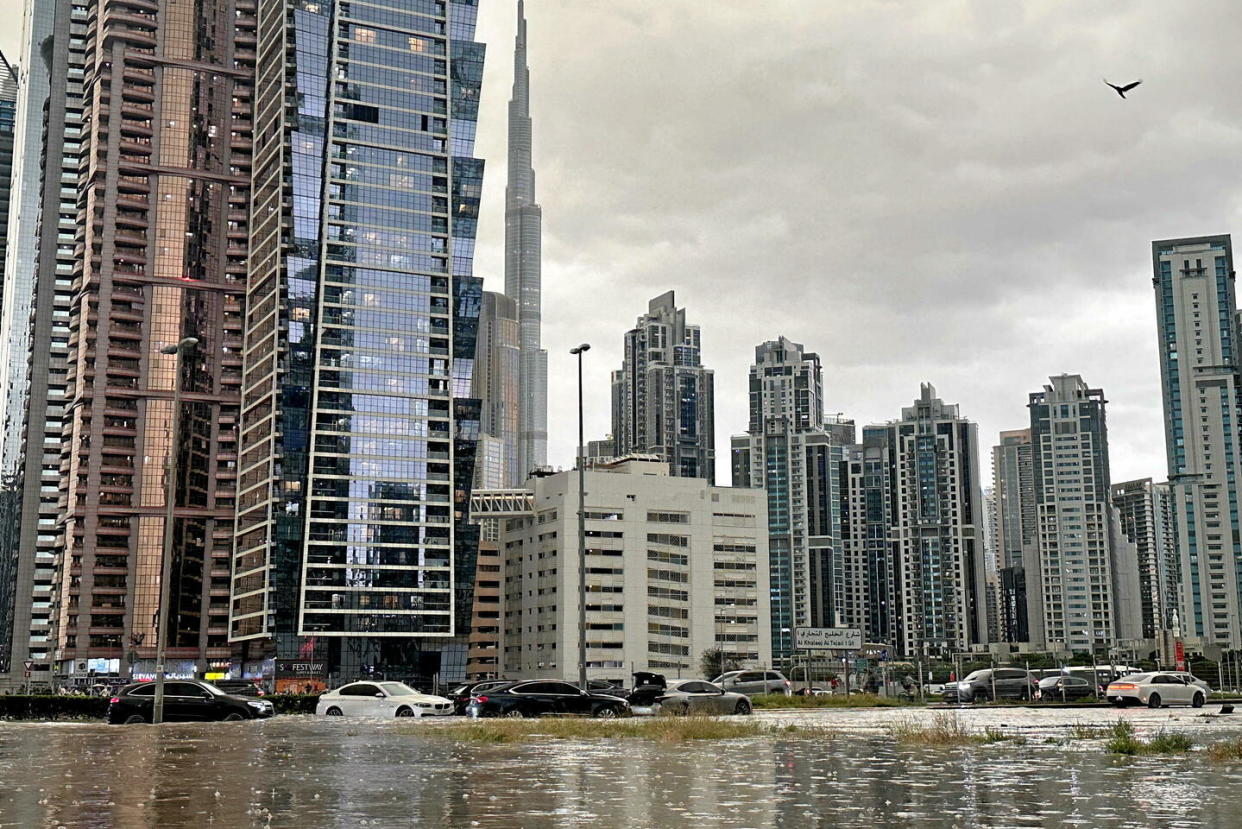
(29, 665)
(827, 639)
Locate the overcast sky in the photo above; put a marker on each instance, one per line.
(917, 191)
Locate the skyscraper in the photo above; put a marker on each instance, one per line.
(497, 386)
(871, 572)
(358, 428)
(1016, 532)
(791, 453)
(1146, 513)
(936, 531)
(34, 332)
(1196, 324)
(1086, 573)
(523, 262)
(162, 201)
(663, 397)
(8, 137)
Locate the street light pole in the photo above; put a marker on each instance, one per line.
(582, 628)
(170, 496)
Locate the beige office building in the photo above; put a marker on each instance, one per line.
(674, 567)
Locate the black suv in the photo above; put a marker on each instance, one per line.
(184, 701)
(540, 697)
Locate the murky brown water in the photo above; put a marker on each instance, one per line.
(302, 772)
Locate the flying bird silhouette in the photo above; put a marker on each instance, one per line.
(1122, 90)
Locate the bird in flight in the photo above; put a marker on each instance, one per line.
(1122, 90)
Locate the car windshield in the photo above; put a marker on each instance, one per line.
(212, 688)
(1135, 678)
(458, 691)
(977, 675)
(397, 689)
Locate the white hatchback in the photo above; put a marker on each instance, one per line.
(381, 699)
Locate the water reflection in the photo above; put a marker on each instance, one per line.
(310, 773)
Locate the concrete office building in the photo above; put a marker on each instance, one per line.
(1196, 324)
(34, 330)
(524, 264)
(663, 399)
(675, 567)
(1015, 531)
(1086, 572)
(793, 453)
(1145, 510)
(936, 515)
(353, 553)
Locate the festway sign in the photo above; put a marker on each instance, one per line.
(827, 639)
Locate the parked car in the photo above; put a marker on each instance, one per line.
(697, 696)
(540, 697)
(1155, 690)
(648, 689)
(381, 699)
(460, 695)
(184, 701)
(1010, 683)
(1059, 688)
(755, 682)
(1193, 680)
(239, 687)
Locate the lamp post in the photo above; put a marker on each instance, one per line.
(170, 495)
(582, 628)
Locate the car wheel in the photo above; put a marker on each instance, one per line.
(1153, 701)
(1198, 701)
(334, 712)
(405, 711)
(607, 713)
(742, 707)
(134, 719)
(233, 716)
(515, 714)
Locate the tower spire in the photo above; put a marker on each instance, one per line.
(523, 244)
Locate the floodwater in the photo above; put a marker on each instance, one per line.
(307, 772)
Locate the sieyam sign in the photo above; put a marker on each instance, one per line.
(827, 639)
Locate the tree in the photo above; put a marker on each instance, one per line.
(715, 662)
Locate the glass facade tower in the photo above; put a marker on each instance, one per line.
(358, 428)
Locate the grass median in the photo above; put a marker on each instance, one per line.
(772, 701)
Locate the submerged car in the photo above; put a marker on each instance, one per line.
(184, 701)
(697, 696)
(544, 697)
(381, 699)
(1155, 690)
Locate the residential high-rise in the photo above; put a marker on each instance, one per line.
(523, 263)
(675, 567)
(1146, 513)
(162, 201)
(352, 549)
(8, 138)
(1086, 573)
(795, 457)
(871, 572)
(936, 514)
(1015, 532)
(1196, 324)
(34, 327)
(496, 385)
(663, 398)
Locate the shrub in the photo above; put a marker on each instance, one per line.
(294, 703)
(52, 707)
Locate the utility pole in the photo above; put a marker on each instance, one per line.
(582, 625)
(170, 497)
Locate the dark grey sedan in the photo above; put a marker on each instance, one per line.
(1064, 688)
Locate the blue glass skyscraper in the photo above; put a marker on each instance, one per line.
(358, 431)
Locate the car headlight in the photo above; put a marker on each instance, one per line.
(260, 706)
(962, 686)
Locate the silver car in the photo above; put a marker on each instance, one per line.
(695, 696)
(754, 682)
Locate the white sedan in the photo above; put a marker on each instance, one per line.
(1155, 690)
(381, 699)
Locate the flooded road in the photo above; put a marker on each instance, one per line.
(303, 772)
